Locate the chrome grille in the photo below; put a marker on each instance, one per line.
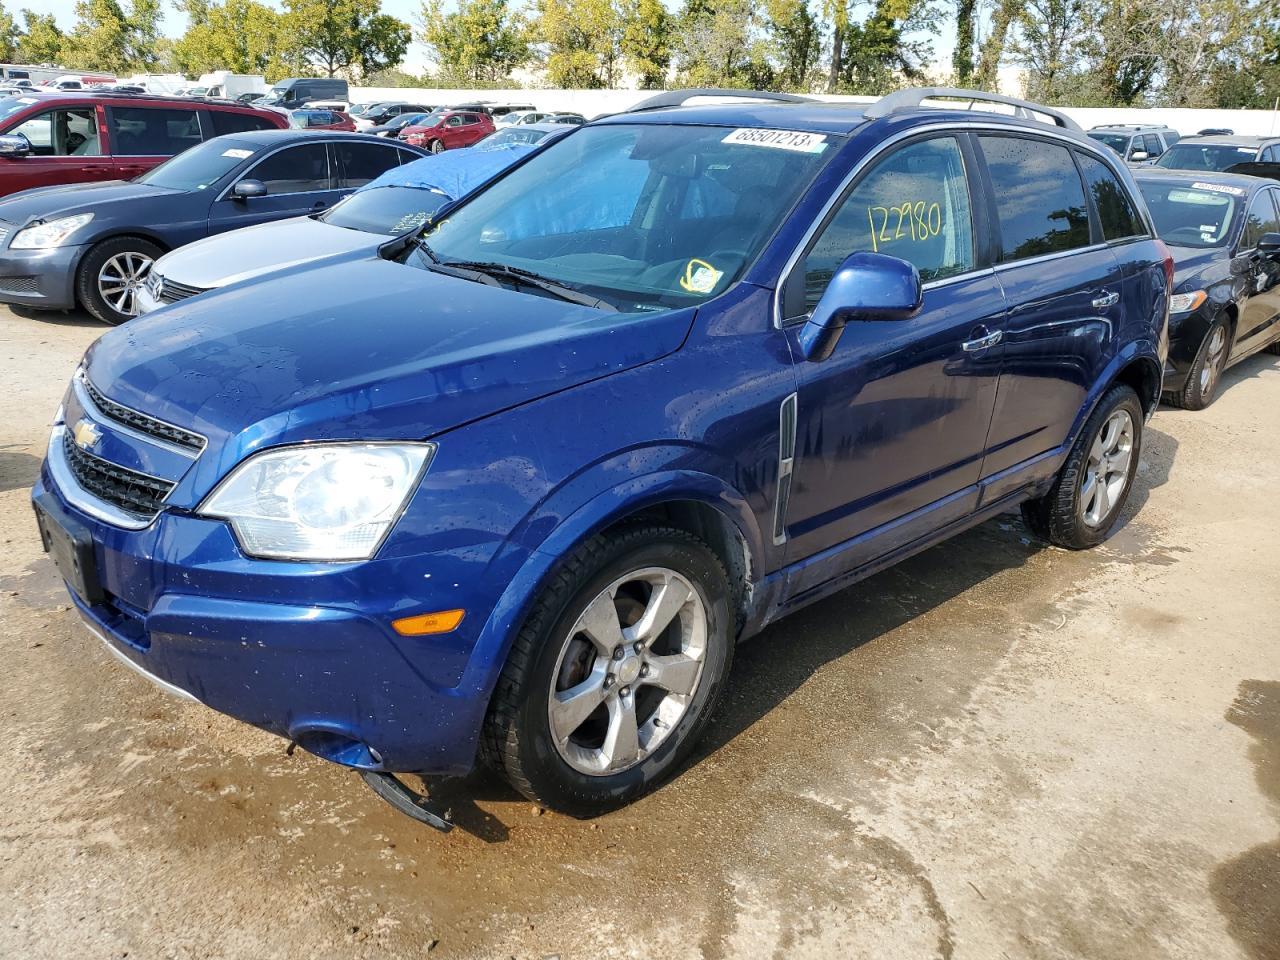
(171, 291)
(141, 422)
(4, 233)
(137, 494)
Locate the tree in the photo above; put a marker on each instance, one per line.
(962, 56)
(888, 47)
(987, 73)
(646, 42)
(795, 39)
(352, 36)
(9, 36)
(481, 41)
(100, 39)
(580, 41)
(1047, 43)
(718, 46)
(41, 40)
(242, 36)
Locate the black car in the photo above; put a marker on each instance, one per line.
(1224, 232)
(393, 126)
(93, 244)
(386, 112)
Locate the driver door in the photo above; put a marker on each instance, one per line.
(892, 427)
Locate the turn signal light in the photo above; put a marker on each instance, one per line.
(427, 623)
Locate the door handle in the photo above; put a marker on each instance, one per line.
(1108, 299)
(318, 205)
(982, 343)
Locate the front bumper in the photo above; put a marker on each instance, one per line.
(249, 638)
(40, 278)
(1186, 333)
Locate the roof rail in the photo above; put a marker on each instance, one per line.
(906, 99)
(678, 98)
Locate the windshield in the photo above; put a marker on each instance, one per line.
(11, 105)
(514, 135)
(200, 167)
(1205, 156)
(1119, 142)
(1195, 215)
(644, 216)
(393, 211)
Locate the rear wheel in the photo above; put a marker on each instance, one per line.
(1273, 347)
(1091, 488)
(1206, 370)
(111, 274)
(615, 673)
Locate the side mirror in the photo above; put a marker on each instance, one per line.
(1139, 155)
(1269, 246)
(14, 145)
(246, 189)
(868, 286)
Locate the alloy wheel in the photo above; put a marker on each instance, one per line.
(1106, 473)
(1213, 362)
(120, 279)
(627, 671)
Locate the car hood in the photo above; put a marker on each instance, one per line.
(366, 350)
(266, 248)
(46, 203)
(1190, 262)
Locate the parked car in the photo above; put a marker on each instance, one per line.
(386, 112)
(93, 244)
(399, 201)
(525, 133)
(1136, 142)
(393, 127)
(572, 119)
(1224, 232)
(57, 139)
(321, 120)
(293, 92)
(518, 494)
(447, 130)
(518, 118)
(1215, 132)
(500, 110)
(1217, 153)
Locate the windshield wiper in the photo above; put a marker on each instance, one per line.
(500, 271)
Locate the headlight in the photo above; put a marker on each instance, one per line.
(51, 234)
(1186, 302)
(327, 501)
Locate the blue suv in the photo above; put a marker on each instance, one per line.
(515, 487)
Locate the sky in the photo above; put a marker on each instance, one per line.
(406, 10)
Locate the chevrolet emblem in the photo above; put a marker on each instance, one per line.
(86, 434)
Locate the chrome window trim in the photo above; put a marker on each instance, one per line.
(78, 497)
(254, 161)
(1083, 142)
(86, 402)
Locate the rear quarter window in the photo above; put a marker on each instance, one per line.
(224, 121)
(1041, 206)
(1117, 213)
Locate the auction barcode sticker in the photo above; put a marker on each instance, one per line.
(794, 140)
(1220, 188)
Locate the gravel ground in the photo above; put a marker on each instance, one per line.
(994, 750)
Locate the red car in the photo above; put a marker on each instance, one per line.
(449, 129)
(52, 139)
(321, 120)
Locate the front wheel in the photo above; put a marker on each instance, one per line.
(1091, 488)
(111, 275)
(1206, 370)
(615, 673)
(437, 146)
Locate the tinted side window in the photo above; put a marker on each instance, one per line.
(62, 133)
(148, 131)
(1271, 155)
(1041, 207)
(226, 122)
(1152, 145)
(408, 156)
(355, 164)
(1115, 207)
(1261, 218)
(914, 204)
(294, 169)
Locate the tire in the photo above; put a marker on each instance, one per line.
(1273, 347)
(1069, 517)
(583, 767)
(128, 258)
(436, 146)
(1206, 370)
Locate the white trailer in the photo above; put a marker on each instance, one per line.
(231, 86)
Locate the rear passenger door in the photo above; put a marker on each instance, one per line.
(355, 164)
(142, 137)
(892, 427)
(298, 182)
(1063, 287)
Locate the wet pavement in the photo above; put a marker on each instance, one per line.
(997, 749)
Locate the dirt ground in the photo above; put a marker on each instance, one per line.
(995, 750)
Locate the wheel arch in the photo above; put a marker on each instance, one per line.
(1144, 375)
